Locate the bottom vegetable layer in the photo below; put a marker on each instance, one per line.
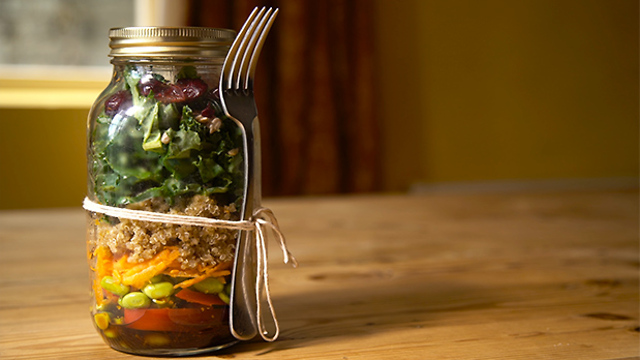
(189, 333)
(155, 304)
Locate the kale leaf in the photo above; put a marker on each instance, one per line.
(160, 150)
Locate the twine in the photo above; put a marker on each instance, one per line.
(261, 221)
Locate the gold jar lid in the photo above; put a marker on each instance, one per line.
(181, 42)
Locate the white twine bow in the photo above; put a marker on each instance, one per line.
(261, 221)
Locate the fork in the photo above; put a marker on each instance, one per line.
(236, 95)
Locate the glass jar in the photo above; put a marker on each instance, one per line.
(158, 141)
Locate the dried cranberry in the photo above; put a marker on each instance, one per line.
(148, 83)
(116, 101)
(171, 94)
(192, 88)
(208, 111)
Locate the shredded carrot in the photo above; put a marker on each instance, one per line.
(97, 292)
(104, 261)
(103, 267)
(138, 274)
(214, 271)
(196, 280)
(117, 276)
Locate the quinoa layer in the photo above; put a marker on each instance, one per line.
(199, 245)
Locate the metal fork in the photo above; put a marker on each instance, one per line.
(236, 95)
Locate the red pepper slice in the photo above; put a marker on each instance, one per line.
(172, 319)
(200, 298)
(198, 317)
(149, 319)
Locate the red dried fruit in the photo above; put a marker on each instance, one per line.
(148, 84)
(184, 90)
(208, 111)
(170, 94)
(116, 101)
(192, 88)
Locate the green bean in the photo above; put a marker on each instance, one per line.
(134, 300)
(113, 286)
(158, 290)
(209, 286)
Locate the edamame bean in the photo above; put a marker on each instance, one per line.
(113, 286)
(163, 303)
(225, 294)
(224, 297)
(209, 286)
(157, 279)
(158, 290)
(134, 300)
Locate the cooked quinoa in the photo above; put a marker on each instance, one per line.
(199, 245)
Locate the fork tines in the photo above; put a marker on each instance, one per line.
(239, 67)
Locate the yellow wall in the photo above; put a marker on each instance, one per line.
(501, 89)
(469, 90)
(43, 121)
(42, 157)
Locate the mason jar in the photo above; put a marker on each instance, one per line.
(158, 142)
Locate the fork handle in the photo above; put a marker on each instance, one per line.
(244, 301)
(254, 181)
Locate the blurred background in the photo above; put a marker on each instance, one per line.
(355, 96)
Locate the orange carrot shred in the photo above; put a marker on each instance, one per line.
(213, 271)
(138, 274)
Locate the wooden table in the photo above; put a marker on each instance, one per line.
(493, 276)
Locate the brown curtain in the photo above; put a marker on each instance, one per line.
(315, 93)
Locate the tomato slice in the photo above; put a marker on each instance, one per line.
(198, 317)
(200, 298)
(172, 319)
(148, 319)
(131, 315)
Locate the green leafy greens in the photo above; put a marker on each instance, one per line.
(154, 149)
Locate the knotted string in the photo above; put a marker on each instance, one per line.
(261, 221)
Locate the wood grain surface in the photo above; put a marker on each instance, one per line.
(488, 276)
